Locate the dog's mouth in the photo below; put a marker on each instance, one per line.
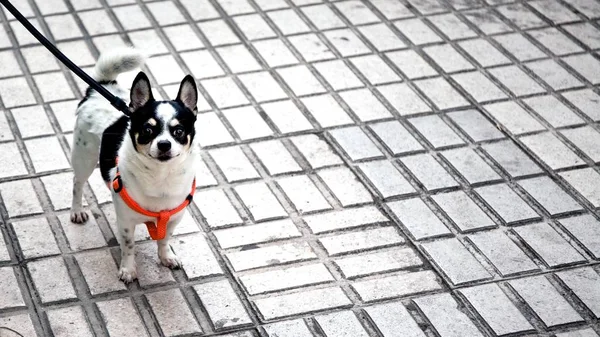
(164, 157)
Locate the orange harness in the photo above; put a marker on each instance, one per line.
(157, 230)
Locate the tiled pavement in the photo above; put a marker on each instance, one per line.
(370, 168)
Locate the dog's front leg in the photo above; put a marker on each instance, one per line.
(165, 253)
(127, 271)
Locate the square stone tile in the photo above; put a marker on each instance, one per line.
(275, 53)
(301, 80)
(585, 138)
(288, 22)
(262, 86)
(338, 75)
(172, 312)
(513, 117)
(585, 229)
(584, 181)
(69, 322)
(411, 64)
(586, 65)
(504, 254)
(438, 133)
(553, 111)
(275, 157)
(234, 164)
(403, 98)
(441, 93)
(486, 21)
(475, 125)
(260, 201)
(430, 173)
(322, 17)
(303, 194)
(374, 69)
(131, 17)
(417, 31)
(11, 294)
(448, 58)
(355, 143)
(512, 159)
(359, 241)
(121, 317)
(20, 198)
(585, 100)
(316, 151)
(224, 92)
(386, 178)
(345, 186)
(15, 92)
(202, 64)
(346, 42)
(418, 218)
(211, 131)
(470, 165)
(553, 249)
(554, 11)
(521, 16)
(382, 37)
(479, 87)
(13, 162)
(326, 111)
(224, 308)
(466, 214)
(557, 42)
(394, 136)
(520, 48)
(497, 310)
(59, 287)
(394, 320)
(506, 203)
(554, 75)
(582, 282)
(586, 33)
(551, 150)
(456, 261)
(452, 26)
(311, 47)
(253, 26)
(218, 32)
(35, 238)
(484, 52)
(550, 195)
(238, 59)
(516, 80)
(365, 105)
(287, 117)
(252, 234)
(345, 219)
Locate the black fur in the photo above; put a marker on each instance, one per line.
(139, 123)
(112, 138)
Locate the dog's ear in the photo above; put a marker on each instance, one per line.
(188, 93)
(141, 91)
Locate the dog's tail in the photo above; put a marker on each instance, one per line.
(116, 61)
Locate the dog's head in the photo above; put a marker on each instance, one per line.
(162, 130)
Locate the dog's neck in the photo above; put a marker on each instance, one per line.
(149, 179)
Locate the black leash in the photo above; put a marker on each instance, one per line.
(118, 103)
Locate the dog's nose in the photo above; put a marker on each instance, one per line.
(164, 145)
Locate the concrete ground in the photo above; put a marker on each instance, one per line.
(389, 168)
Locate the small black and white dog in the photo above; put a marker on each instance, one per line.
(155, 150)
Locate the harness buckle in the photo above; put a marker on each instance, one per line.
(117, 184)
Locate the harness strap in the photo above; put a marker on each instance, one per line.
(158, 229)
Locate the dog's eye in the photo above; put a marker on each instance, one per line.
(147, 131)
(178, 132)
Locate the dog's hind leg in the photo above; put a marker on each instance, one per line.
(83, 159)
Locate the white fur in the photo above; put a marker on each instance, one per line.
(154, 185)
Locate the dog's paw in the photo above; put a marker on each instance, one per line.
(170, 260)
(127, 275)
(79, 217)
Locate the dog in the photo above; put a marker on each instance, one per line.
(150, 154)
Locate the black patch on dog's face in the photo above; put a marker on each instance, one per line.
(162, 129)
(148, 124)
